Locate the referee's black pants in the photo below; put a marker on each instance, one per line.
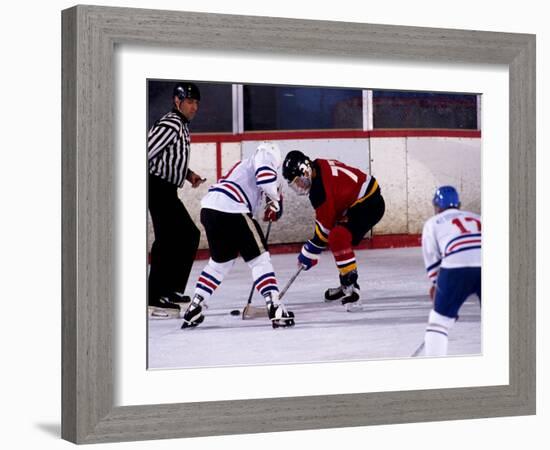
(176, 240)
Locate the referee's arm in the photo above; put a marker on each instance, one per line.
(159, 137)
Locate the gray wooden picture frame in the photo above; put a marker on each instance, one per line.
(90, 34)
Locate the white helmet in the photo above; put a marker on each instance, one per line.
(271, 150)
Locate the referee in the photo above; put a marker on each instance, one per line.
(176, 235)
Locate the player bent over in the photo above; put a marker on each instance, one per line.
(451, 245)
(227, 216)
(347, 204)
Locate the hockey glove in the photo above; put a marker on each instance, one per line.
(309, 256)
(273, 210)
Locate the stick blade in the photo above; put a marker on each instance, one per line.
(251, 312)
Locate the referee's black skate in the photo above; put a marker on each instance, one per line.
(163, 308)
(193, 316)
(178, 298)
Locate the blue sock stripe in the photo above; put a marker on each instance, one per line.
(263, 277)
(204, 288)
(210, 277)
(269, 288)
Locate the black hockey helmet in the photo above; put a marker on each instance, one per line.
(295, 164)
(187, 90)
(297, 172)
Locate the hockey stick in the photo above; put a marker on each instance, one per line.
(250, 311)
(418, 350)
(283, 292)
(247, 309)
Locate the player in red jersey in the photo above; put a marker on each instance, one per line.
(347, 204)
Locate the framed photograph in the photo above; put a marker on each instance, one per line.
(117, 66)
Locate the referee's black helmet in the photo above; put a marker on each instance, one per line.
(187, 90)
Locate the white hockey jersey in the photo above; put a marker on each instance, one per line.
(451, 239)
(242, 189)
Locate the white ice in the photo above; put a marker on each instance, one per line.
(390, 323)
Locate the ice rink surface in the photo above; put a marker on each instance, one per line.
(390, 323)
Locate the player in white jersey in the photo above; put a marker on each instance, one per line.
(451, 245)
(227, 215)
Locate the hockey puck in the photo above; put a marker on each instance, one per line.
(235, 312)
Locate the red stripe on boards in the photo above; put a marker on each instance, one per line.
(330, 134)
(377, 242)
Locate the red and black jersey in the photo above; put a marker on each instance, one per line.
(335, 188)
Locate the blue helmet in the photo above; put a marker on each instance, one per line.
(446, 197)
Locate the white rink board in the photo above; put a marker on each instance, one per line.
(389, 167)
(408, 170)
(354, 152)
(436, 162)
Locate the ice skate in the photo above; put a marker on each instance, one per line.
(349, 296)
(193, 316)
(280, 317)
(163, 308)
(178, 298)
(332, 294)
(352, 298)
(349, 292)
(277, 313)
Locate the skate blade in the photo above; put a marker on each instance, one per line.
(354, 307)
(283, 324)
(186, 325)
(163, 313)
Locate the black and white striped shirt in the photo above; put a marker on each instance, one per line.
(168, 147)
